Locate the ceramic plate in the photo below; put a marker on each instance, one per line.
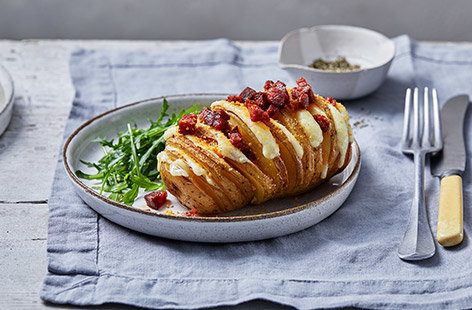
(6, 99)
(271, 219)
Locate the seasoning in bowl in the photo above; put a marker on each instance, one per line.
(340, 64)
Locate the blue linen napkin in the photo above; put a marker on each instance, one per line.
(349, 259)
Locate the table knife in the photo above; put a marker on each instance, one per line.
(449, 165)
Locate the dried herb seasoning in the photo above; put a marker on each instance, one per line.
(340, 64)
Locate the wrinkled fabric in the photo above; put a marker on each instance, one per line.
(349, 259)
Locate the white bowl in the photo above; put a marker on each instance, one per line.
(371, 50)
(6, 99)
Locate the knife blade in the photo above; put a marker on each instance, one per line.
(449, 165)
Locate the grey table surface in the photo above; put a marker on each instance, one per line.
(28, 154)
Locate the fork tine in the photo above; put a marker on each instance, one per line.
(416, 119)
(426, 141)
(438, 142)
(406, 119)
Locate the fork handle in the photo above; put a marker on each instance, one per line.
(450, 222)
(418, 242)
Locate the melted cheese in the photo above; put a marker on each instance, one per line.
(342, 131)
(296, 145)
(196, 168)
(270, 148)
(324, 173)
(162, 157)
(310, 126)
(224, 146)
(344, 113)
(172, 131)
(178, 168)
(314, 109)
(228, 150)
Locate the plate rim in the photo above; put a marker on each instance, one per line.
(227, 219)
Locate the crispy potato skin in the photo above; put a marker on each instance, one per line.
(229, 183)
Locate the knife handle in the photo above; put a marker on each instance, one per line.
(450, 226)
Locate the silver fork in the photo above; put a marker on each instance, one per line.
(425, 137)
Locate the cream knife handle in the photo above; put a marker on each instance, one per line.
(450, 226)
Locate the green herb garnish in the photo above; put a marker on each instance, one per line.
(130, 163)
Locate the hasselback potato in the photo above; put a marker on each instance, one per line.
(257, 146)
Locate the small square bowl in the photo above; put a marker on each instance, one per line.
(371, 50)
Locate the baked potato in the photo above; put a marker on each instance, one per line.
(257, 146)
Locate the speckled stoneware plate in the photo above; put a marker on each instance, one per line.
(6, 99)
(272, 219)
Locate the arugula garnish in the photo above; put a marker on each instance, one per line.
(130, 163)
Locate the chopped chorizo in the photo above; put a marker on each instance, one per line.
(268, 85)
(257, 114)
(187, 124)
(247, 93)
(235, 99)
(156, 199)
(236, 139)
(276, 93)
(299, 98)
(261, 100)
(272, 110)
(302, 82)
(331, 100)
(217, 119)
(192, 212)
(323, 121)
